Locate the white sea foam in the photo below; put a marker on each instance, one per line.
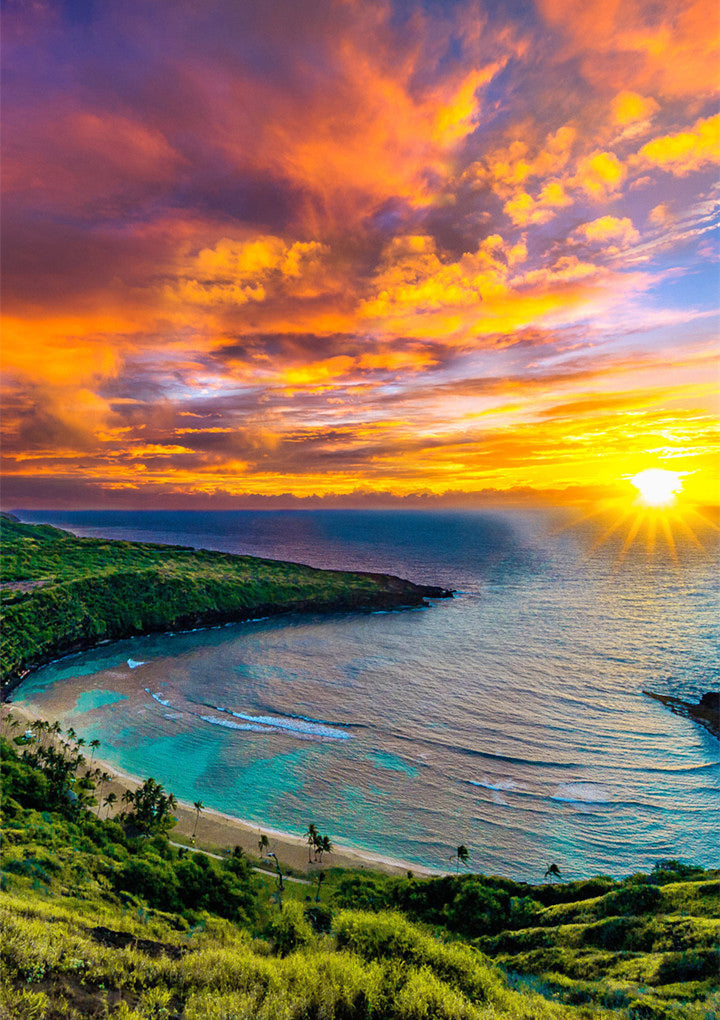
(498, 784)
(156, 697)
(133, 663)
(230, 725)
(582, 793)
(291, 724)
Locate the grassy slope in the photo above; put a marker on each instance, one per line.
(64, 593)
(98, 924)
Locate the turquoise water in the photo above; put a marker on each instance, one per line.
(510, 719)
(97, 699)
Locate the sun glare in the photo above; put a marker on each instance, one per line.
(657, 487)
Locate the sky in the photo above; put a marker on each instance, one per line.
(358, 252)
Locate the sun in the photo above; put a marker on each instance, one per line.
(661, 518)
(657, 487)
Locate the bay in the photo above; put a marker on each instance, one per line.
(510, 718)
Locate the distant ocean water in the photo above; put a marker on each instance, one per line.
(510, 719)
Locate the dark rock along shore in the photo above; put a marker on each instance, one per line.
(706, 712)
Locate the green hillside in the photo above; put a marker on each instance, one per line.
(60, 593)
(107, 919)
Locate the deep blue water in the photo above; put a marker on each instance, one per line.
(510, 719)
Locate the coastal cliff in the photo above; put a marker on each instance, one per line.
(61, 594)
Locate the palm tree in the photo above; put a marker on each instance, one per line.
(44, 729)
(109, 802)
(326, 846)
(198, 805)
(263, 844)
(461, 856)
(553, 872)
(128, 798)
(94, 744)
(38, 727)
(280, 879)
(104, 778)
(311, 837)
(319, 878)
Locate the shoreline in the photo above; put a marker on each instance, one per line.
(179, 588)
(10, 685)
(271, 611)
(217, 830)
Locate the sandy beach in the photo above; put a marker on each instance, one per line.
(219, 832)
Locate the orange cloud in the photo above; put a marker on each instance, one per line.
(239, 271)
(508, 169)
(534, 186)
(672, 51)
(373, 135)
(524, 210)
(609, 228)
(686, 151)
(660, 215)
(567, 269)
(420, 292)
(600, 175)
(63, 350)
(630, 107)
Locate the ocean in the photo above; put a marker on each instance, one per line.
(510, 719)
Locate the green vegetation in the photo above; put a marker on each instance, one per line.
(61, 593)
(105, 918)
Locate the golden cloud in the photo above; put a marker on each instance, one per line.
(672, 51)
(534, 185)
(509, 168)
(239, 271)
(609, 228)
(599, 175)
(420, 292)
(524, 210)
(686, 151)
(630, 107)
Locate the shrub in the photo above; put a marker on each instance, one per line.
(154, 880)
(692, 965)
(523, 911)
(630, 901)
(425, 997)
(390, 936)
(478, 910)
(290, 928)
(320, 917)
(362, 892)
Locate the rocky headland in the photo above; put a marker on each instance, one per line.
(706, 712)
(62, 594)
